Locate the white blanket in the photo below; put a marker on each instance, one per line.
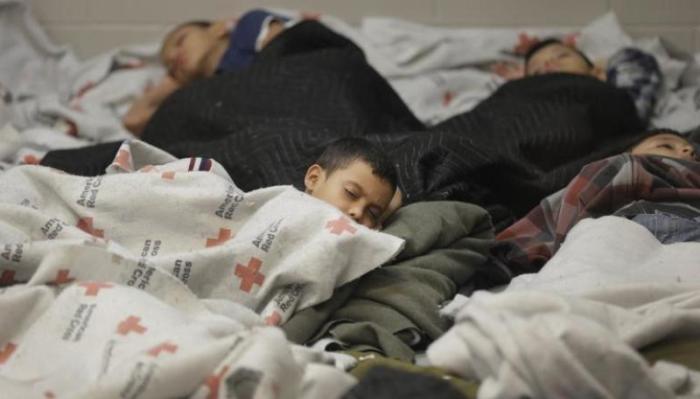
(271, 249)
(96, 338)
(159, 277)
(58, 102)
(441, 72)
(571, 329)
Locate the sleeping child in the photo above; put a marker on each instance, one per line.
(200, 49)
(656, 184)
(665, 142)
(356, 177)
(630, 69)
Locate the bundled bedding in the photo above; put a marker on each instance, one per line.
(591, 324)
(530, 137)
(164, 267)
(625, 185)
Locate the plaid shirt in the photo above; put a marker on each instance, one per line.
(601, 188)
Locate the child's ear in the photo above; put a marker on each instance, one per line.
(314, 175)
(394, 205)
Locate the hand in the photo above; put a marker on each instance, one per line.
(508, 70)
(137, 117)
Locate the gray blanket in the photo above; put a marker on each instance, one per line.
(394, 309)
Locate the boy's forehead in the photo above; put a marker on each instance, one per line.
(667, 136)
(551, 47)
(361, 172)
(170, 36)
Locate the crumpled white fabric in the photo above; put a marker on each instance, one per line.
(572, 329)
(44, 88)
(162, 279)
(439, 72)
(102, 339)
(273, 250)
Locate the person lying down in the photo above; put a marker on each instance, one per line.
(200, 49)
(272, 250)
(153, 274)
(656, 183)
(630, 69)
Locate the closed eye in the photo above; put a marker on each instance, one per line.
(351, 194)
(180, 39)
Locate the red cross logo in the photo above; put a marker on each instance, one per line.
(85, 224)
(93, 288)
(164, 347)
(525, 42)
(447, 98)
(7, 277)
(342, 224)
(274, 319)
(570, 39)
(131, 324)
(213, 381)
(122, 159)
(249, 274)
(224, 235)
(72, 128)
(62, 277)
(7, 352)
(170, 175)
(30, 160)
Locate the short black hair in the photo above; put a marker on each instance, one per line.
(342, 152)
(548, 42)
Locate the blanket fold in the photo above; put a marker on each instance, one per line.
(394, 308)
(601, 188)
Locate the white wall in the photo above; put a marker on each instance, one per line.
(92, 26)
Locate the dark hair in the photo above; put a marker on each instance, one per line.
(340, 153)
(548, 42)
(654, 132)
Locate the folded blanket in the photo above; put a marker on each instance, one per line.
(599, 189)
(395, 308)
(573, 329)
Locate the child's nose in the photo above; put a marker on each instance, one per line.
(354, 213)
(689, 151)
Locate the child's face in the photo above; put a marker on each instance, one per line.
(557, 58)
(185, 51)
(665, 144)
(355, 190)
